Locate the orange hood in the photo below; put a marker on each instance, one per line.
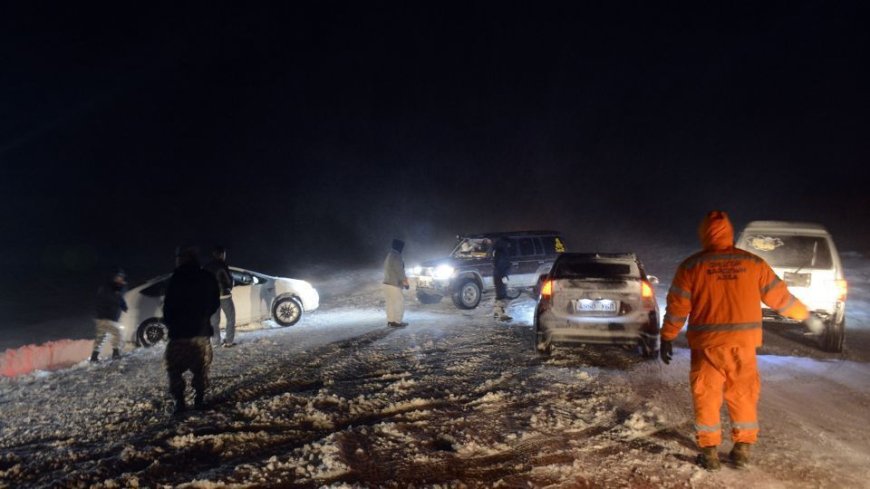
(716, 232)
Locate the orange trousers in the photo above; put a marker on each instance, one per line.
(732, 371)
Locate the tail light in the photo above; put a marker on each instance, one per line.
(647, 295)
(547, 289)
(646, 290)
(842, 289)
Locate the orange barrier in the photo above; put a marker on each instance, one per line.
(52, 355)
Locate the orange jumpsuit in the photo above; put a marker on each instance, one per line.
(720, 290)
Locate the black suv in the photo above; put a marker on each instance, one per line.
(467, 272)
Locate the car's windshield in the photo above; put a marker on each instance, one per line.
(472, 248)
(789, 251)
(594, 269)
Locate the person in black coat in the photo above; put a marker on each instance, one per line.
(192, 296)
(109, 306)
(501, 265)
(221, 271)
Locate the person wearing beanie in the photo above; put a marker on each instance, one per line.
(394, 281)
(109, 306)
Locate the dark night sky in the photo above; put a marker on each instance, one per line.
(300, 134)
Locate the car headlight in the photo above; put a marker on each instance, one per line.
(443, 272)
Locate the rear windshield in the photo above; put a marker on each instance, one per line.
(790, 251)
(593, 269)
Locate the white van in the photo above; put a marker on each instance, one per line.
(804, 256)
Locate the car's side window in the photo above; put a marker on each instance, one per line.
(527, 247)
(157, 289)
(514, 249)
(553, 245)
(240, 278)
(539, 248)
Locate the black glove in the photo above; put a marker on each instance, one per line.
(667, 351)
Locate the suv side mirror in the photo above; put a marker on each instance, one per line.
(653, 279)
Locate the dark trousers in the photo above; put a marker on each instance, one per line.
(194, 354)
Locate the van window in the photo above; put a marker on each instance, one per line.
(539, 248)
(786, 251)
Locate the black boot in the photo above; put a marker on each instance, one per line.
(740, 455)
(199, 401)
(95, 357)
(115, 353)
(709, 458)
(179, 407)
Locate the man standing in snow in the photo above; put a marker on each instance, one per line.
(192, 296)
(719, 290)
(394, 281)
(501, 265)
(218, 267)
(110, 305)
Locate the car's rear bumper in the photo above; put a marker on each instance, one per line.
(627, 330)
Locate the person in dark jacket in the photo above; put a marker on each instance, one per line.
(192, 296)
(501, 265)
(110, 304)
(218, 267)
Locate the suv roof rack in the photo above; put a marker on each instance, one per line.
(509, 233)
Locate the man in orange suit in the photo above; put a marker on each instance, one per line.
(719, 291)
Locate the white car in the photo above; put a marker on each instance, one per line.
(804, 256)
(256, 297)
(600, 298)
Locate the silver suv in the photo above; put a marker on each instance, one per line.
(804, 256)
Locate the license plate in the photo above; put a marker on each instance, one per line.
(797, 279)
(597, 305)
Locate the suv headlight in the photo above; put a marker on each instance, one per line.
(443, 272)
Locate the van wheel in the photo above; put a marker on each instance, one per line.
(151, 332)
(428, 298)
(467, 295)
(833, 336)
(513, 293)
(286, 311)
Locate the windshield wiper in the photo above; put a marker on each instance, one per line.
(812, 259)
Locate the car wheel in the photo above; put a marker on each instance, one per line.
(648, 348)
(151, 332)
(467, 295)
(428, 298)
(513, 293)
(833, 336)
(286, 311)
(542, 346)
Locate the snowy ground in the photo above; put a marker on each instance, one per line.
(453, 400)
